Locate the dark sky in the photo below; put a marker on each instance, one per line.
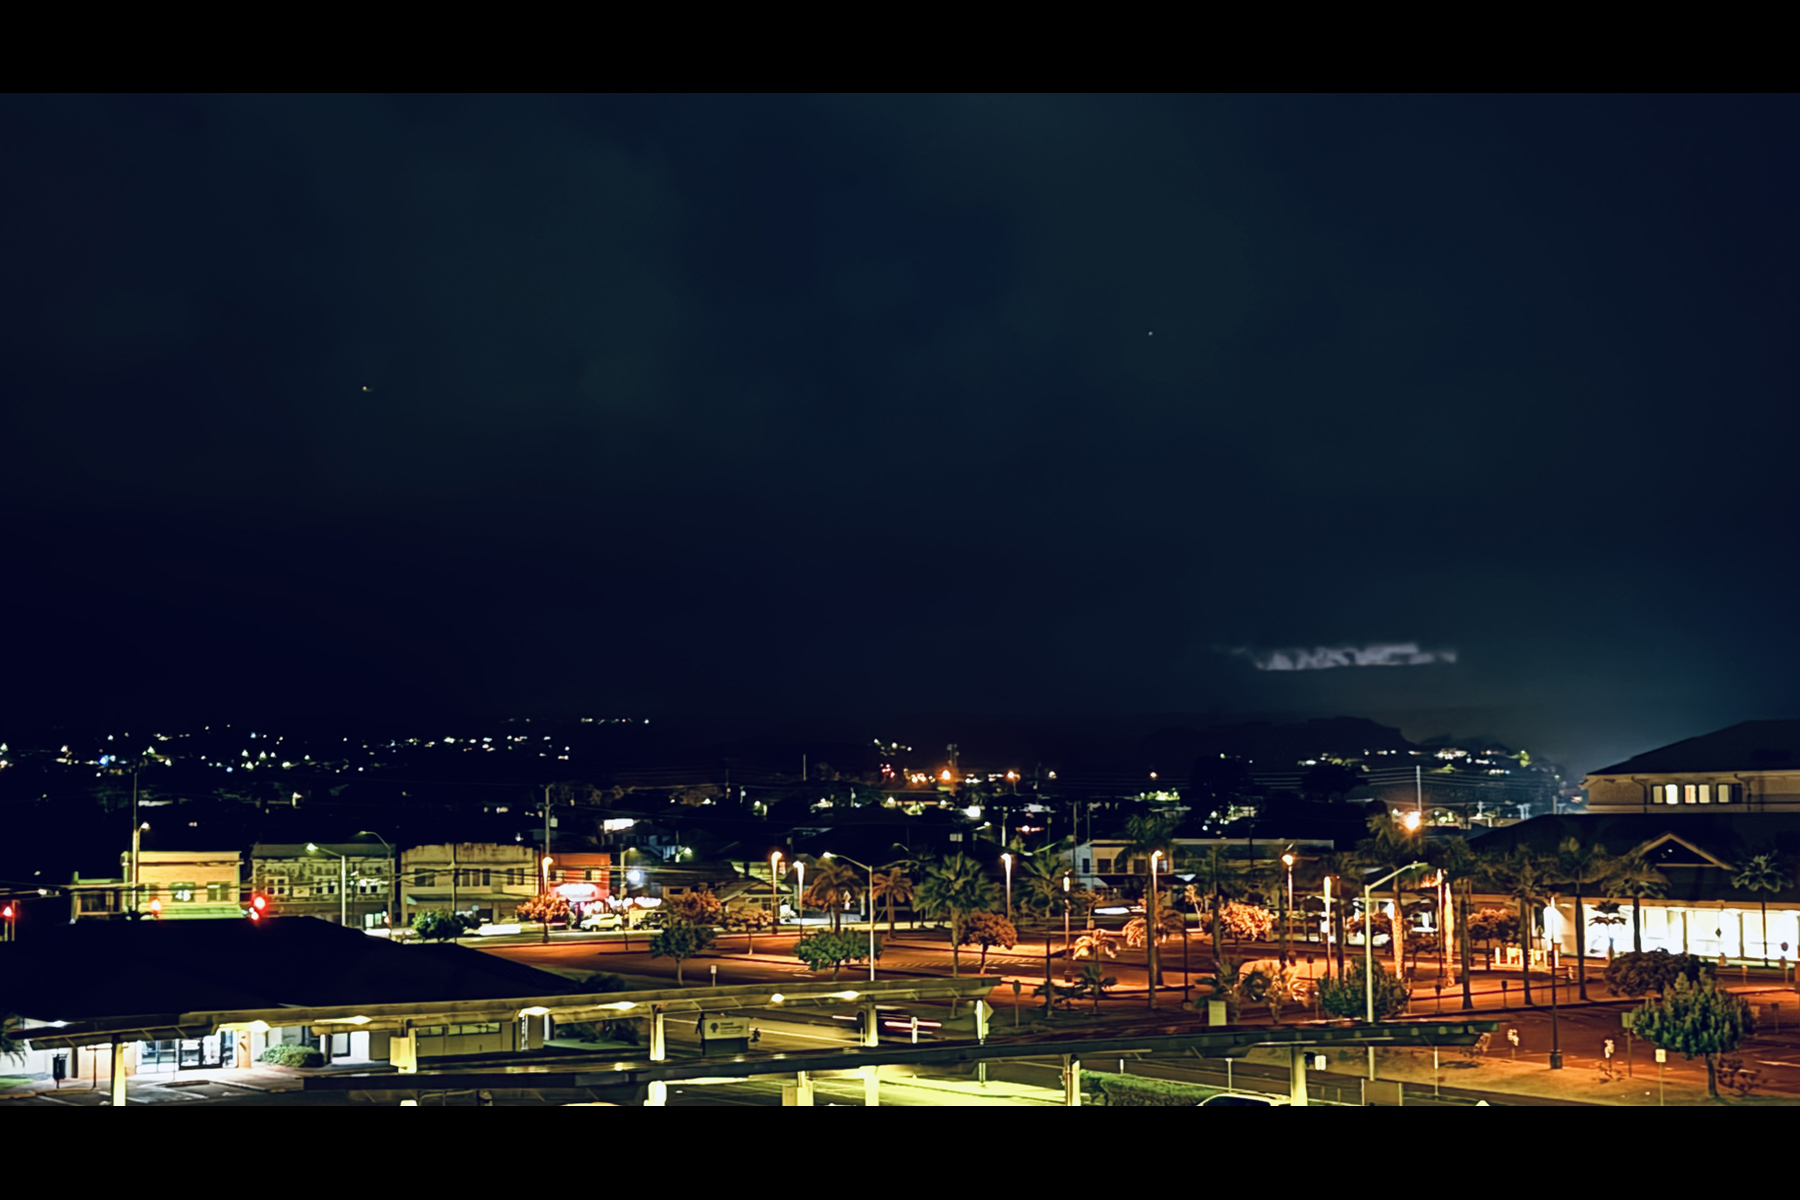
(1009, 405)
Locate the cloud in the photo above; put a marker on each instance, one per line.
(1324, 658)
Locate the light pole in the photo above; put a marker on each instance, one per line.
(1287, 915)
(1067, 946)
(1369, 949)
(137, 835)
(775, 858)
(871, 871)
(544, 899)
(1007, 859)
(394, 877)
(800, 896)
(343, 881)
(1150, 932)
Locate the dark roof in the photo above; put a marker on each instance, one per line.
(1746, 746)
(98, 969)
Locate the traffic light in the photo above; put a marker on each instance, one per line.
(156, 909)
(259, 904)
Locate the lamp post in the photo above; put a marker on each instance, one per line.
(137, 834)
(1007, 860)
(343, 881)
(1150, 932)
(1287, 914)
(800, 896)
(871, 871)
(1369, 948)
(544, 900)
(775, 858)
(394, 877)
(1066, 900)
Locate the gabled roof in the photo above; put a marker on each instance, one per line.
(1670, 850)
(1746, 746)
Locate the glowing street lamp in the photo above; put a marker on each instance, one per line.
(1369, 948)
(1066, 900)
(1007, 859)
(775, 858)
(1150, 931)
(1287, 917)
(799, 891)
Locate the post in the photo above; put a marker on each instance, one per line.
(775, 893)
(871, 1030)
(1297, 1075)
(871, 1087)
(546, 857)
(659, 1050)
(1150, 932)
(656, 1094)
(1071, 1081)
(1556, 1059)
(869, 904)
(343, 891)
(1369, 968)
(118, 1072)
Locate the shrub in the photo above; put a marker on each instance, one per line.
(292, 1056)
(1638, 974)
(1136, 1091)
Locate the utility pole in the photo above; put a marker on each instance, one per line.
(546, 865)
(1419, 789)
(134, 838)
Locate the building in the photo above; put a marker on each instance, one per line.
(171, 885)
(487, 879)
(1753, 766)
(351, 882)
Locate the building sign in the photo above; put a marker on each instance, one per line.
(714, 1028)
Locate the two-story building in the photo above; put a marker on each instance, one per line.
(487, 879)
(350, 883)
(170, 884)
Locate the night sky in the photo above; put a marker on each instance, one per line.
(1479, 410)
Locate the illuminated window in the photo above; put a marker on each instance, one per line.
(1706, 793)
(1672, 793)
(1726, 791)
(1689, 793)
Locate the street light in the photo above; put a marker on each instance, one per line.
(1150, 931)
(1007, 859)
(775, 858)
(137, 832)
(343, 881)
(1369, 948)
(1287, 917)
(393, 877)
(547, 860)
(871, 871)
(1066, 944)
(800, 895)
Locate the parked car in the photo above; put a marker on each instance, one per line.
(596, 920)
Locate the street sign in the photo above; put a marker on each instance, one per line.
(1662, 1056)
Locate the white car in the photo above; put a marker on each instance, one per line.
(599, 919)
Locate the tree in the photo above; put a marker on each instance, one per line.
(1094, 982)
(1390, 847)
(1096, 943)
(1695, 1018)
(833, 948)
(681, 940)
(954, 889)
(1643, 973)
(1330, 781)
(699, 906)
(1247, 922)
(1216, 879)
(1606, 916)
(1638, 881)
(1462, 867)
(1761, 874)
(1490, 925)
(832, 886)
(1040, 878)
(1585, 868)
(1169, 923)
(436, 925)
(893, 886)
(1145, 834)
(986, 929)
(1341, 867)
(547, 908)
(1519, 877)
(1349, 998)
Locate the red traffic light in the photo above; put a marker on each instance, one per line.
(259, 902)
(7, 912)
(156, 908)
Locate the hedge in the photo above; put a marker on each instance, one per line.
(292, 1056)
(1138, 1091)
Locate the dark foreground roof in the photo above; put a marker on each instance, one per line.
(98, 969)
(1746, 746)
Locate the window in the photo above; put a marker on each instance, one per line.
(276, 885)
(1706, 793)
(421, 878)
(366, 886)
(1087, 866)
(215, 892)
(1106, 865)
(182, 891)
(1672, 793)
(1726, 792)
(487, 877)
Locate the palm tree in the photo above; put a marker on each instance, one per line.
(1522, 880)
(1216, 879)
(1638, 881)
(893, 886)
(1147, 836)
(1040, 876)
(1342, 867)
(1761, 874)
(1606, 915)
(1582, 867)
(1462, 867)
(952, 889)
(1390, 847)
(834, 881)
